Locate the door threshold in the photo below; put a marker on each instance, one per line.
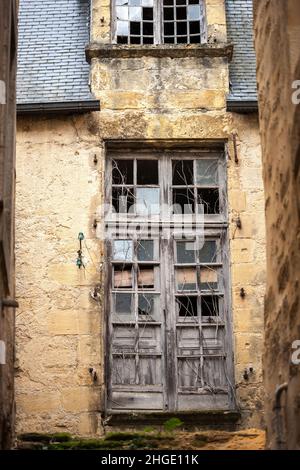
(197, 418)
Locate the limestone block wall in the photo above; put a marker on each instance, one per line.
(59, 188)
(58, 323)
(277, 35)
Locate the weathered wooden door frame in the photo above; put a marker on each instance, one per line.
(170, 363)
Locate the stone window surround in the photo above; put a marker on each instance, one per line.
(98, 50)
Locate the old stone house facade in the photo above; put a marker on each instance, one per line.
(116, 327)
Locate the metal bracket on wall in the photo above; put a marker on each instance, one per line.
(10, 303)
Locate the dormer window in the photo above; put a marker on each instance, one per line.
(159, 22)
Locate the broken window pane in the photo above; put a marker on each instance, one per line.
(183, 173)
(207, 172)
(185, 252)
(147, 201)
(122, 277)
(209, 306)
(148, 305)
(208, 278)
(123, 250)
(145, 250)
(181, 13)
(145, 277)
(187, 306)
(122, 200)
(186, 279)
(183, 201)
(208, 253)
(123, 303)
(210, 200)
(148, 14)
(147, 172)
(122, 172)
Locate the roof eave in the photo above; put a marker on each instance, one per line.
(242, 106)
(61, 107)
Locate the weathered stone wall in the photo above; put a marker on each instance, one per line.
(59, 325)
(277, 36)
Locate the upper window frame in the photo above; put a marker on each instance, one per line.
(158, 25)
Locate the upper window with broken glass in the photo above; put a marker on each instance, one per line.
(159, 22)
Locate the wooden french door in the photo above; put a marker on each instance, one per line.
(168, 325)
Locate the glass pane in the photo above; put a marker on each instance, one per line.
(185, 252)
(147, 3)
(145, 250)
(134, 3)
(147, 201)
(183, 201)
(122, 2)
(122, 277)
(145, 277)
(148, 306)
(182, 171)
(187, 306)
(147, 172)
(123, 304)
(186, 279)
(135, 13)
(208, 253)
(122, 200)
(123, 250)
(122, 171)
(193, 12)
(122, 13)
(207, 172)
(209, 306)
(208, 278)
(122, 28)
(209, 198)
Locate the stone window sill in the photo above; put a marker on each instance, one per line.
(115, 51)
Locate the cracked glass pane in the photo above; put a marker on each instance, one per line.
(121, 2)
(207, 172)
(147, 201)
(123, 250)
